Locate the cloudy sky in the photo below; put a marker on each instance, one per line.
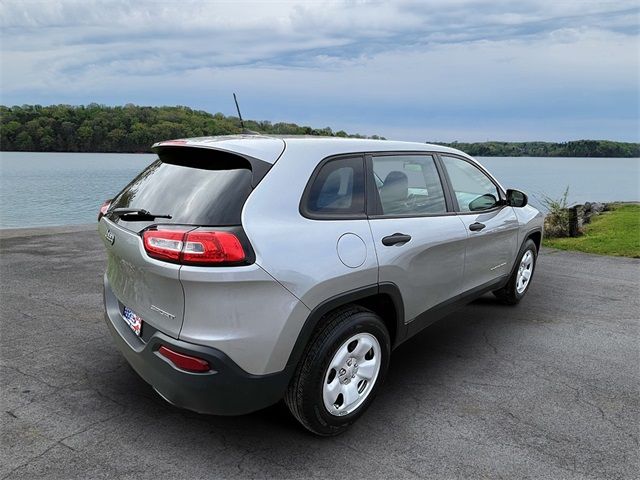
(413, 70)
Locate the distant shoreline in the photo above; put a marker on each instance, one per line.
(132, 128)
(571, 149)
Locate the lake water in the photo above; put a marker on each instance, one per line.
(45, 189)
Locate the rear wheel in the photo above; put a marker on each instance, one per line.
(341, 371)
(521, 278)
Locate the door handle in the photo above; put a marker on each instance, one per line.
(395, 238)
(477, 226)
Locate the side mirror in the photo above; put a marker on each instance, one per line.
(516, 198)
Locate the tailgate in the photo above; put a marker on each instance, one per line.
(149, 287)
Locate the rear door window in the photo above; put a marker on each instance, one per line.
(408, 185)
(210, 192)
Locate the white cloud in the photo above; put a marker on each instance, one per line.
(420, 59)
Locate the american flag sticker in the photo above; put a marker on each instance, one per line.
(133, 320)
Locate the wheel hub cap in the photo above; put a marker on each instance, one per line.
(351, 374)
(525, 270)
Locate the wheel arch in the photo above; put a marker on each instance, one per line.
(536, 236)
(383, 299)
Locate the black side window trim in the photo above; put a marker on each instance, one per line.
(374, 209)
(304, 211)
(372, 205)
(449, 185)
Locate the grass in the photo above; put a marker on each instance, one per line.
(616, 232)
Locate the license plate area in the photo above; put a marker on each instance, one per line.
(133, 320)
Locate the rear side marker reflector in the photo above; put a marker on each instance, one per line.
(184, 362)
(193, 247)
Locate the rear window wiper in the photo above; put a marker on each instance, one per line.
(138, 212)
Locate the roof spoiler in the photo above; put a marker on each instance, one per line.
(210, 158)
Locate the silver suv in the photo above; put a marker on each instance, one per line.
(246, 269)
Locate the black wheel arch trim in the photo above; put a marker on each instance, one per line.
(526, 237)
(531, 232)
(337, 301)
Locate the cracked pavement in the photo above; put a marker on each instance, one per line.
(547, 389)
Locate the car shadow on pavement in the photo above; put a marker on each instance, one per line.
(414, 361)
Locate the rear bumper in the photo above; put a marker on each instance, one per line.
(224, 390)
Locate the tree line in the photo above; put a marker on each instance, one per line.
(577, 148)
(132, 129)
(126, 129)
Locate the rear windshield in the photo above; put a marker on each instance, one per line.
(193, 192)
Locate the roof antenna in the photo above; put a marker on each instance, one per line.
(244, 130)
(239, 114)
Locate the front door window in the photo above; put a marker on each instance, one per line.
(474, 191)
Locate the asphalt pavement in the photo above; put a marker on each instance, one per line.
(547, 389)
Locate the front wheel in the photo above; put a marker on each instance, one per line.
(520, 279)
(341, 371)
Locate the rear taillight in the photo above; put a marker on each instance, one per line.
(164, 244)
(103, 209)
(193, 247)
(212, 247)
(184, 362)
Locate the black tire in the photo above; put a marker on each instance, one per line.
(304, 394)
(509, 294)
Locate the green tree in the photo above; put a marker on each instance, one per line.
(24, 142)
